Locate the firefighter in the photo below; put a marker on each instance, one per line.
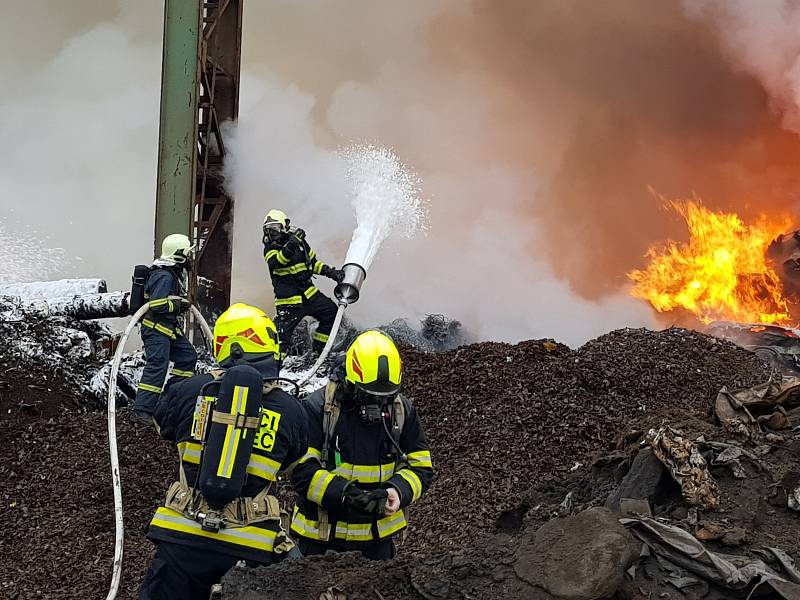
(161, 334)
(292, 264)
(367, 458)
(236, 430)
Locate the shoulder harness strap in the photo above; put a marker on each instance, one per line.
(398, 422)
(330, 416)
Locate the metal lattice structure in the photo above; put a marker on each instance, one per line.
(219, 68)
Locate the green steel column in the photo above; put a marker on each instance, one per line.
(178, 126)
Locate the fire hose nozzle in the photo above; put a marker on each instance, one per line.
(349, 289)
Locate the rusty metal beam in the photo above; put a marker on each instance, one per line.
(177, 130)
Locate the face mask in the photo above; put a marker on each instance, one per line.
(272, 235)
(370, 406)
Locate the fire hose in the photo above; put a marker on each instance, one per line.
(347, 291)
(328, 345)
(119, 529)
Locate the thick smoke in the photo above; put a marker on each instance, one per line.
(537, 128)
(79, 123)
(762, 39)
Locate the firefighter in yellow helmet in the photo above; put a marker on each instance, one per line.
(292, 265)
(367, 458)
(236, 431)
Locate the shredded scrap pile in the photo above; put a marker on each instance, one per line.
(500, 419)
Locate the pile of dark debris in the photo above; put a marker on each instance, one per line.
(642, 465)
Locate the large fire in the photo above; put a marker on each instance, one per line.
(721, 273)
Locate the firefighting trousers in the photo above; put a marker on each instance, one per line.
(287, 316)
(179, 572)
(374, 550)
(159, 350)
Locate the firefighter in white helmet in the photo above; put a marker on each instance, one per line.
(161, 333)
(292, 265)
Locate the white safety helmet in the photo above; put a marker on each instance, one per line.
(177, 248)
(276, 219)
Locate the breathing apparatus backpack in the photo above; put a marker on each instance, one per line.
(226, 423)
(138, 281)
(330, 416)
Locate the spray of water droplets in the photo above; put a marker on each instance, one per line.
(385, 197)
(24, 257)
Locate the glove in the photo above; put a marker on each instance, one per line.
(300, 235)
(362, 502)
(333, 273)
(184, 305)
(293, 250)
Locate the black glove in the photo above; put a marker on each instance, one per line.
(184, 305)
(367, 503)
(293, 250)
(300, 235)
(333, 273)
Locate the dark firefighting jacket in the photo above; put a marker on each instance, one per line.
(364, 455)
(280, 441)
(163, 314)
(291, 267)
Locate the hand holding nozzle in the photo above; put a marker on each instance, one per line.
(332, 273)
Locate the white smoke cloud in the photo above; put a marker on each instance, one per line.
(83, 117)
(761, 38)
(80, 124)
(479, 262)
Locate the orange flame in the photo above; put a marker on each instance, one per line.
(720, 274)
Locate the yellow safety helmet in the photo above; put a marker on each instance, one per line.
(373, 364)
(276, 219)
(244, 330)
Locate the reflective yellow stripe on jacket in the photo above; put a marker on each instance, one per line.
(190, 452)
(159, 328)
(263, 467)
(249, 537)
(413, 481)
(366, 473)
(289, 300)
(259, 465)
(296, 299)
(291, 270)
(163, 302)
(420, 459)
(350, 532)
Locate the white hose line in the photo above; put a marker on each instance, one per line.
(119, 526)
(326, 350)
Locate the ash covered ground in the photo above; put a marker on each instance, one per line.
(520, 434)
